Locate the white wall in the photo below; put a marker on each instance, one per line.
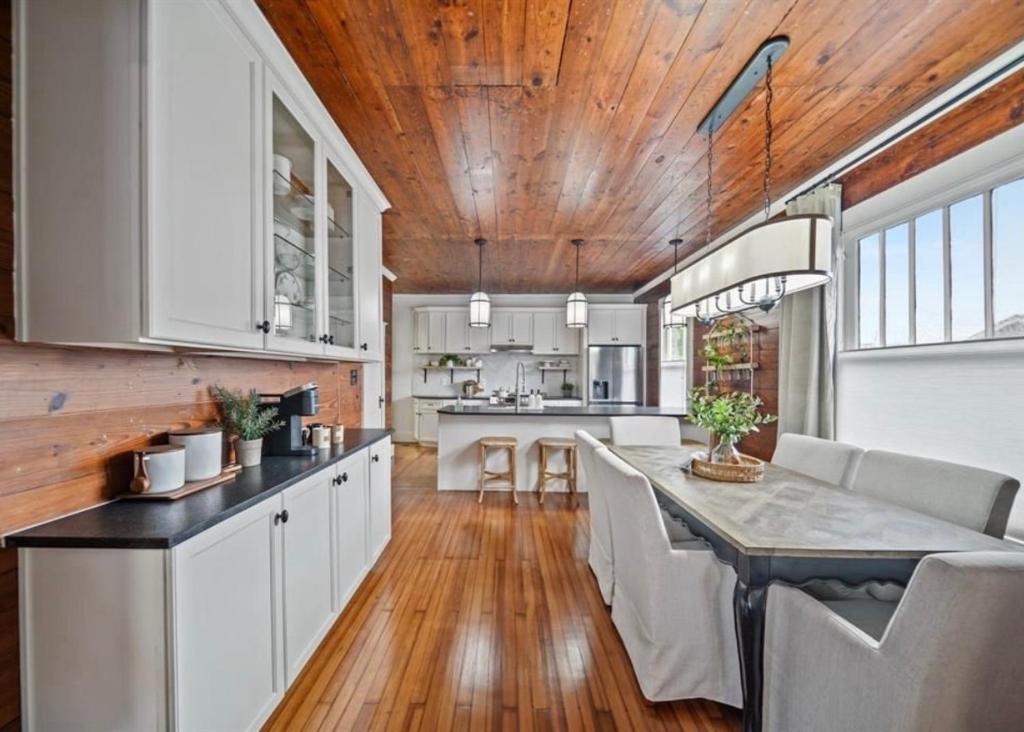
(958, 401)
(404, 374)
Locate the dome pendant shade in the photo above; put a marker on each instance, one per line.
(756, 268)
(479, 302)
(576, 310)
(576, 303)
(479, 310)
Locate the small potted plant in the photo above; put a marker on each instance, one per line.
(567, 389)
(730, 417)
(246, 419)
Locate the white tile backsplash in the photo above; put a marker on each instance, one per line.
(499, 369)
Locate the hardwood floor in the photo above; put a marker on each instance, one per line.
(479, 617)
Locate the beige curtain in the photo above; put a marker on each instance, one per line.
(807, 336)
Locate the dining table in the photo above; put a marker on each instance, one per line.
(792, 528)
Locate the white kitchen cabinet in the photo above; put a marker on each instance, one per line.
(616, 326)
(369, 285)
(167, 108)
(350, 486)
(456, 332)
(227, 619)
(426, 420)
(551, 336)
(380, 496)
(511, 327)
(206, 635)
(308, 572)
(430, 331)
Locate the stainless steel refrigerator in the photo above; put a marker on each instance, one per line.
(615, 375)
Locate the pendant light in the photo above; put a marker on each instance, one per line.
(479, 303)
(576, 303)
(768, 261)
(673, 320)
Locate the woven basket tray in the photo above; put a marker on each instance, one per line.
(749, 470)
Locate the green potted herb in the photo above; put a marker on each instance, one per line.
(567, 389)
(729, 417)
(450, 359)
(246, 419)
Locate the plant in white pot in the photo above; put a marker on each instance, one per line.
(246, 419)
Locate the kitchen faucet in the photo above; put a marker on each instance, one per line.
(519, 366)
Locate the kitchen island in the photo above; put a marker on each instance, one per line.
(458, 467)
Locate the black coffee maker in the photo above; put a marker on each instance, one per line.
(292, 406)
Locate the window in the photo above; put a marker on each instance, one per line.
(673, 340)
(672, 369)
(954, 273)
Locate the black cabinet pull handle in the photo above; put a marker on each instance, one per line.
(264, 326)
(281, 518)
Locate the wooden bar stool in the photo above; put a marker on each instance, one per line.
(553, 444)
(507, 443)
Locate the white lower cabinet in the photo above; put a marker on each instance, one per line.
(349, 491)
(207, 635)
(308, 571)
(380, 497)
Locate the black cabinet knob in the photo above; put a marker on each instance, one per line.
(281, 518)
(343, 478)
(330, 339)
(264, 326)
(323, 338)
(376, 458)
(364, 347)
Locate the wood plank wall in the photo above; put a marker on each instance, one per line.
(70, 417)
(653, 357)
(766, 379)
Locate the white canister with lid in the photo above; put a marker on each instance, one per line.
(165, 466)
(203, 451)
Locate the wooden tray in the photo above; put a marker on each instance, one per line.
(748, 470)
(227, 474)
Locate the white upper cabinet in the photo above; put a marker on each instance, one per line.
(221, 195)
(205, 156)
(430, 331)
(551, 337)
(370, 283)
(616, 326)
(456, 332)
(511, 327)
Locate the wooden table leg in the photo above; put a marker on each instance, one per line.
(542, 475)
(483, 472)
(512, 467)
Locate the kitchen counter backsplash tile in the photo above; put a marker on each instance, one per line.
(498, 370)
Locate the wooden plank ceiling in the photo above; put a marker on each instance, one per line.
(532, 122)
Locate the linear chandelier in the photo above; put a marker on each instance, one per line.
(768, 261)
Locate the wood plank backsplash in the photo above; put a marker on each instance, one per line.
(69, 417)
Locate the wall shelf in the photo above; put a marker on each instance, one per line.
(451, 371)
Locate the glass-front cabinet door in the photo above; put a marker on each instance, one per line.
(340, 301)
(293, 317)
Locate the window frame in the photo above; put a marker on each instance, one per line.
(959, 187)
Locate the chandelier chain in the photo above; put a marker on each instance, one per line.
(707, 225)
(768, 130)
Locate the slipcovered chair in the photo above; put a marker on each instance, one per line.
(949, 657)
(672, 604)
(600, 553)
(640, 430)
(972, 497)
(828, 461)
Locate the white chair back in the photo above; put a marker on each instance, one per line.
(600, 555)
(828, 461)
(961, 494)
(644, 430)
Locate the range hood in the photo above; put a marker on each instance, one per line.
(511, 348)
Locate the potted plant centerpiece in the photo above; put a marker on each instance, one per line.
(729, 417)
(567, 389)
(247, 420)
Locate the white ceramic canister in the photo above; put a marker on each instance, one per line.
(165, 465)
(203, 451)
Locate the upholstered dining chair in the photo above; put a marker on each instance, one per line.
(672, 604)
(828, 461)
(949, 657)
(645, 430)
(972, 497)
(600, 553)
